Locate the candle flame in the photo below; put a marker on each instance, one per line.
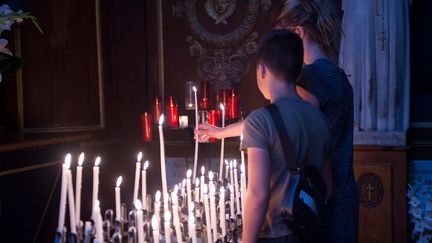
(68, 159)
(205, 189)
(139, 157)
(194, 89)
(158, 196)
(81, 159)
(226, 162)
(241, 137)
(97, 161)
(222, 107)
(211, 175)
(167, 216)
(202, 170)
(138, 204)
(191, 207)
(161, 120)
(197, 182)
(231, 165)
(166, 198)
(235, 164)
(222, 190)
(146, 165)
(119, 181)
(189, 174)
(242, 168)
(154, 223)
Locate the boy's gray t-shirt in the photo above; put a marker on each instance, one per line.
(310, 137)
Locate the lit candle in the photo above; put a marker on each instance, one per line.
(167, 225)
(222, 107)
(210, 176)
(207, 213)
(71, 202)
(226, 169)
(139, 221)
(236, 188)
(222, 211)
(202, 180)
(155, 226)
(197, 190)
(137, 177)
(176, 219)
(157, 205)
(231, 187)
(243, 184)
(62, 209)
(96, 180)
(162, 155)
(192, 228)
(78, 189)
(213, 215)
(196, 136)
(118, 198)
(183, 189)
(144, 184)
(189, 187)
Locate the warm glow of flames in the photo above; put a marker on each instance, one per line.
(161, 120)
(97, 161)
(211, 175)
(202, 170)
(189, 174)
(222, 107)
(119, 181)
(154, 223)
(81, 159)
(138, 204)
(194, 89)
(68, 159)
(146, 165)
(139, 157)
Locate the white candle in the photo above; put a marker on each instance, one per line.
(78, 189)
(167, 226)
(118, 198)
(241, 151)
(183, 189)
(144, 184)
(211, 176)
(236, 188)
(197, 190)
(222, 107)
(176, 219)
(226, 169)
(62, 208)
(207, 213)
(166, 201)
(157, 205)
(196, 136)
(162, 155)
(189, 187)
(97, 217)
(202, 181)
(233, 215)
(213, 211)
(192, 228)
(222, 222)
(96, 180)
(231, 173)
(243, 184)
(71, 202)
(137, 177)
(139, 221)
(155, 226)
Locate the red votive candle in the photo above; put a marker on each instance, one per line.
(157, 109)
(172, 112)
(233, 103)
(222, 98)
(205, 102)
(213, 119)
(146, 127)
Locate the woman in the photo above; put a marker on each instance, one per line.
(325, 85)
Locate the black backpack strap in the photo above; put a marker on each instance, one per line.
(283, 136)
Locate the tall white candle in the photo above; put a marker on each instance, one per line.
(162, 155)
(78, 189)
(222, 222)
(97, 217)
(196, 136)
(192, 228)
(211, 176)
(213, 212)
(222, 155)
(144, 185)
(96, 180)
(71, 202)
(176, 218)
(157, 205)
(202, 181)
(167, 225)
(231, 173)
(241, 151)
(155, 226)
(236, 187)
(118, 198)
(166, 201)
(62, 208)
(226, 169)
(189, 187)
(137, 176)
(232, 212)
(139, 221)
(207, 212)
(197, 190)
(243, 184)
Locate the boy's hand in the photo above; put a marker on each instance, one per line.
(205, 131)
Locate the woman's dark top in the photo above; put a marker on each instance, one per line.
(329, 84)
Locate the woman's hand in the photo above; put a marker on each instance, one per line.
(206, 131)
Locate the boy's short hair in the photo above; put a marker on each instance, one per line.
(282, 52)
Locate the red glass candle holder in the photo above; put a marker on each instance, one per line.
(222, 98)
(213, 119)
(233, 105)
(157, 109)
(205, 102)
(172, 112)
(146, 127)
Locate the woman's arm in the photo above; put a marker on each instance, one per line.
(206, 131)
(257, 195)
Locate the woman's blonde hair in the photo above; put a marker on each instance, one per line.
(316, 17)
